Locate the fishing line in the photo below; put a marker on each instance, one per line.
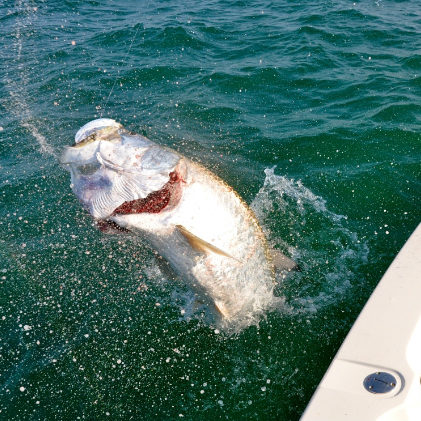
(17, 86)
(118, 72)
(18, 91)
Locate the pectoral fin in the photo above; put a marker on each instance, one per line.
(283, 263)
(200, 245)
(222, 309)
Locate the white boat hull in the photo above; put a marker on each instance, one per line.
(375, 376)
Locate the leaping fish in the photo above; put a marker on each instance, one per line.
(192, 218)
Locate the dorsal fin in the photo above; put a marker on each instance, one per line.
(283, 263)
(222, 310)
(200, 245)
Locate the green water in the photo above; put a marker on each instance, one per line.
(311, 111)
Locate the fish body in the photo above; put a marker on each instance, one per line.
(193, 219)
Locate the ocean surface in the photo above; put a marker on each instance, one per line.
(311, 110)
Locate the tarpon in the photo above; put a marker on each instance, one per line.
(192, 218)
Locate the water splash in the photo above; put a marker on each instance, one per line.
(329, 252)
(36, 358)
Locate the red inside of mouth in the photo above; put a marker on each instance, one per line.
(154, 202)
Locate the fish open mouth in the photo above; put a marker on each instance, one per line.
(165, 198)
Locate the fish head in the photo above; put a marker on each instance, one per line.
(111, 167)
